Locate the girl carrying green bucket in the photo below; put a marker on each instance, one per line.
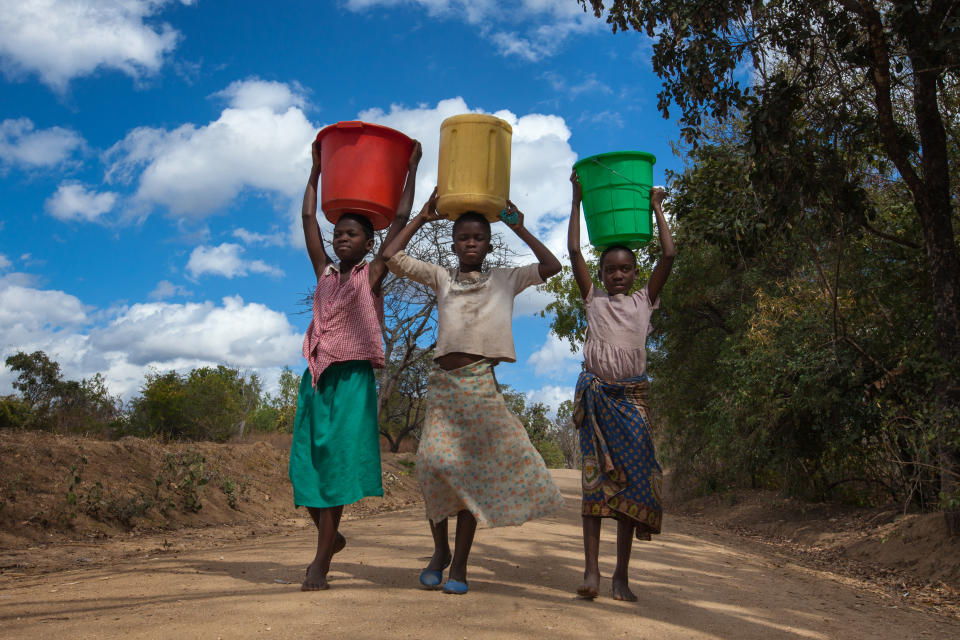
(621, 477)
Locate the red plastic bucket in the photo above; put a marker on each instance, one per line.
(363, 168)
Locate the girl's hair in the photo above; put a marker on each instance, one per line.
(363, 221)
(471, 216)
(616, 247)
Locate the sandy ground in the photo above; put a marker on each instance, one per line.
(694, 581)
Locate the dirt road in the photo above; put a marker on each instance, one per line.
(692, 581)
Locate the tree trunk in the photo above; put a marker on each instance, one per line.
(943, 263)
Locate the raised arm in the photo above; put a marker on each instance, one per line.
(403, 237)
(580, 272)
(662, 271)
(311, 230)
(549, 265)
(378, 268)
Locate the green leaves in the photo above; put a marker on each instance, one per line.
(205, 404)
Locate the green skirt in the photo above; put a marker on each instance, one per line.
(335, 454)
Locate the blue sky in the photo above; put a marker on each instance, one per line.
(153, 155)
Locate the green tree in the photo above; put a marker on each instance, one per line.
(88, 407)
(205, 404)
(796, 365)
(159, 410)
(50, 402)
(277, 413)
(14, 412)
(38, 380)
(539, 427)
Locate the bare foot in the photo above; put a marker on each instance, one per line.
(621, 590)
(339, 543)
(590, 587)
(315, 581)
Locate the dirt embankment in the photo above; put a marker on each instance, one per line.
(58, 488)
(908, 554)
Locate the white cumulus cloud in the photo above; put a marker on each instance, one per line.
(73, 201)
(275, 239)
(226, 260)
(25, 311)
(552, 396)
(59, 40)
(23, 145)
(166, 289)
(530, 301)
(254, 93)
(261, 141)
(555, 360)
(238, 333)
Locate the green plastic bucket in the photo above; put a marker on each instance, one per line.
(616, 197)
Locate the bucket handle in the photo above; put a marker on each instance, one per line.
(350, 124)
(615, 172)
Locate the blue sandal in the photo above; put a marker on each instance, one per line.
(455, 587)
(431, 578)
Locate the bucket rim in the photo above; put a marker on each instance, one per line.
(369, 127)
(639, 155)
(484, 118)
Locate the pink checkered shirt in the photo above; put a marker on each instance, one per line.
(346, 321)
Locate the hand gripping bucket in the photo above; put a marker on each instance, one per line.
(474, 169)
(363, 168)
(616, 198)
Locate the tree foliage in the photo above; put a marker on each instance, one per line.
(277, 413)
(542, 431)
(49, 402)
(206, 404)
(838, 101)
(794, 361)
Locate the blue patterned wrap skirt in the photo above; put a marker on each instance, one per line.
(621, 477)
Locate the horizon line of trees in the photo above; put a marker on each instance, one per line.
(222, 403)
(206, 403)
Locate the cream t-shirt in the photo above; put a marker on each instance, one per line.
(474, 310)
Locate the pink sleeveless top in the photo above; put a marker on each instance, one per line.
(617, 330)
(346, 321)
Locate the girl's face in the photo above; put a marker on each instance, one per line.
(471, 243)
(618, 272)
(350, 243)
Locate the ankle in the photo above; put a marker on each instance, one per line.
(458, 573)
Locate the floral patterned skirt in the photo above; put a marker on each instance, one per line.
(474, 453)
(620, 474)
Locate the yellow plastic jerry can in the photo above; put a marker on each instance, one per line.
(474, 169)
